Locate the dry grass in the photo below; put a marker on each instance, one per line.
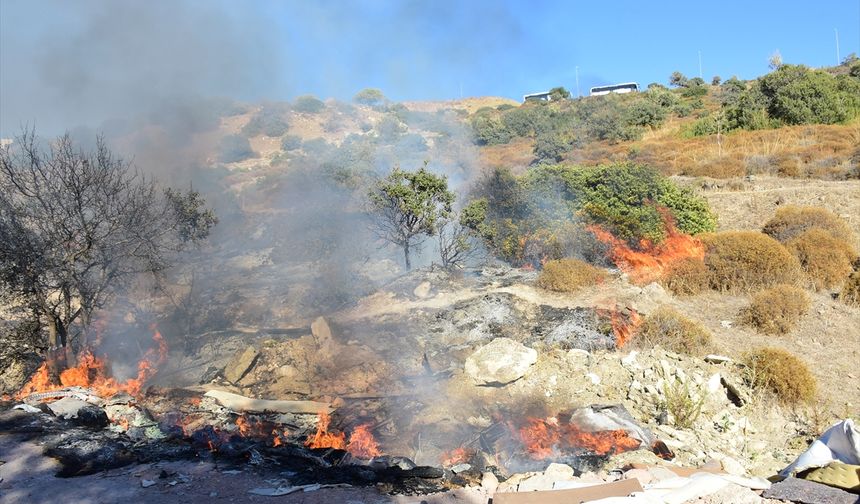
(781, 373)
(850, 293)
(825, 259)
(776, 310)
(790, 221)
(569, 275)
(747, 260)
(687, 277)
(672, 330)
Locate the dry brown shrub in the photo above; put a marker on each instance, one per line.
(721, 168)
(746, 260)
(569, 275)
(672, 330)
(825, 258)
(776, 310)
(687, 277)
(790, 221)
(788, 166)
(781, 373)
(850, 292)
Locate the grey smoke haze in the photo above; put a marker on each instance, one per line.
(67, 64)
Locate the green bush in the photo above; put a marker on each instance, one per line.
(291, 142)
(550, 148)
(672, 330)
(235, 148)
(269, 121)
(490, 130)
(646, 113)
(747, 260)
(776, 310)
(308, 104)
(781, 373)
(569, 275)
(371, 97)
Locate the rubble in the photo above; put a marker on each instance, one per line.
(500, 362)
(80, 412)
(240, 364)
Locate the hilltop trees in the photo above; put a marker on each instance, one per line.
(77, 227)
(408, 207)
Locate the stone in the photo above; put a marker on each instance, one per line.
(717, 359)
(559, 472)
(500, 362)
(457, 469)
(146, 483)
(579, 357)
(595, 380)
(240, 364)
(661, 473)
(642, 475)
(489, 482)
(630, 360)
(79, 412)
(422, 290)
(715, 383)
(732, 466)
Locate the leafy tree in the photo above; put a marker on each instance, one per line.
(269, 121)
(559, 93)
(696, 81)
(677, 79)
(308, 104)
(291, 142)
(76, 228)
(550, 147)
(490, 130)
(407, 207)
(715, 81)
(371, 97)
(646, 113)
(775, 60)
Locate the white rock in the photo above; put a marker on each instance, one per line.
(146, 483)
(489, 482)
(594, 378)
(732, 466)
(630, 360)
(422, 290)
(559, 472)
(714, 383)
(500, 362)
(726, 323)
(717, 359)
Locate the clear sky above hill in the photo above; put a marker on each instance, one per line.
(85, 61)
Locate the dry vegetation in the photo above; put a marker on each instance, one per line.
(776, 310)
(781, 373)
(687, 277)
(791, 221)
(569, 275)
(851, 290)
(826, 260)
(747, 260)
(672, 330)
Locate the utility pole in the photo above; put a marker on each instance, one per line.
(700, 65)
(577, 82)
(838, 60)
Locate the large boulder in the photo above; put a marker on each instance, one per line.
(240, 364)
(500, 362)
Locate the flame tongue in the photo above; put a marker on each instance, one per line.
(323, 438)
(548, 438)
(651, 261)
(91, 372)
(361, 443)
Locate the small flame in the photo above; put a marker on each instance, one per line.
(545, 438)
(362, 443)
(279, 437)
(651, 261)
(456, 456)
(91, 373)
(323, 438)
(624, 324)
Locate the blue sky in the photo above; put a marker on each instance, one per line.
(82, 61)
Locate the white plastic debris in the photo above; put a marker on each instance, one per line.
(839, 443)
(27, 408)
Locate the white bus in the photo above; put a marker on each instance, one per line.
(624, 87)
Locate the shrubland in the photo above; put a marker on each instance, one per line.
(776, 310)
(569, 275)
(782, 374)
(674, 331)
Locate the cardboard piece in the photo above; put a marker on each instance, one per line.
(236, 402)
(621, 488)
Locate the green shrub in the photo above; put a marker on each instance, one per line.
(672, 330)
(825, 259)
(490, 130)
(687, 277)
(569, 275)
(790, 221)
(291, 142)
(371, 97)
(646, 113)
(694, 91)
(776, 310)
(235, 148)
(269, 121)
(781, 373)
(308, 104)
(747, 260)
(550, 148)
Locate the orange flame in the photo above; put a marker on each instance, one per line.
(544, 438)
(279, 437)
(651, 261)
(362, 443)
(323, 438)
(91, 373)
(624, 327)
(456, 456)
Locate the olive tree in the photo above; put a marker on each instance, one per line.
(77, 227)
(407, 207)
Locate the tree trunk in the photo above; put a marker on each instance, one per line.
(406, 255)
(55, 356)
